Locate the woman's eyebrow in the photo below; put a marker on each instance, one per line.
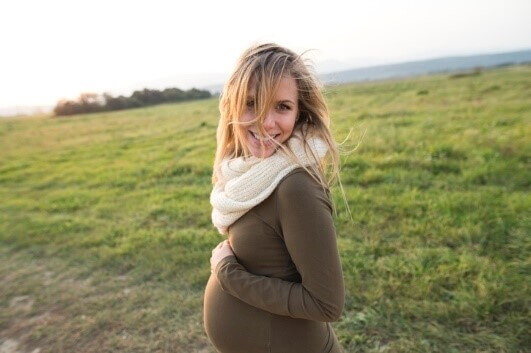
(249, 97)
(285, 101)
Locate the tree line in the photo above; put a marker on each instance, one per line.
(93, 102)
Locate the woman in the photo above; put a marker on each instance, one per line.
(277, 280)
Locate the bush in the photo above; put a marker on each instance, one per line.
(92, 102)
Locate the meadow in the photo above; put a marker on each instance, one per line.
(105, 230)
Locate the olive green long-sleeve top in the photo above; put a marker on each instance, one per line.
(284, 284)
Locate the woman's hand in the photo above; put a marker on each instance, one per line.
(222, 250)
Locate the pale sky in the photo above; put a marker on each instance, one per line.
(53, 49)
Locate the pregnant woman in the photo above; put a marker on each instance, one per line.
(277, 280)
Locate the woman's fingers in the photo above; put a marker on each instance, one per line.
(221, 250)
(220, 245)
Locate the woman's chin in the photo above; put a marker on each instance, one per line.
(257, 152)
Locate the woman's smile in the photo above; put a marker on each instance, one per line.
(267, 142)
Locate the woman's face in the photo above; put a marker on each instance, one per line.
(279, 121)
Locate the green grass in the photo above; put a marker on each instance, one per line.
(105, 232)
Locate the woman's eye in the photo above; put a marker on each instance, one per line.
(283, 107)
(250, 104)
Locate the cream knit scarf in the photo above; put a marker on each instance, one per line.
(243, 184)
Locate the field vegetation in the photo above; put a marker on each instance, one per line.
(105, 230)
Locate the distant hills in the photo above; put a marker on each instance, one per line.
(379, 72)
(423, 67)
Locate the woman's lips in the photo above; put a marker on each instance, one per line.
(267, 142)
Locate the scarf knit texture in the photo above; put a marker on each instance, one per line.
(244, 183)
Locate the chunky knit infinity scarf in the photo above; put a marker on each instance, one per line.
(243, 184)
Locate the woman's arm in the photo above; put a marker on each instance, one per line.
(305, 216)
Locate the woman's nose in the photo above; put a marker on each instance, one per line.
(269, 120)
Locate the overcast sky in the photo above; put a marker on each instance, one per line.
(53, 49)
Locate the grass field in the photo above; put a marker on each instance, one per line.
(105, 231)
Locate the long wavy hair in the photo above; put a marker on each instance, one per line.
(264, 65)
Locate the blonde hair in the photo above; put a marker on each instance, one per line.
(263, 66)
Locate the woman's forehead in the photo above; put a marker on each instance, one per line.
(286, 89)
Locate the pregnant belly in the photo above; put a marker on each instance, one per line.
(236, 327)
(232, 325)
